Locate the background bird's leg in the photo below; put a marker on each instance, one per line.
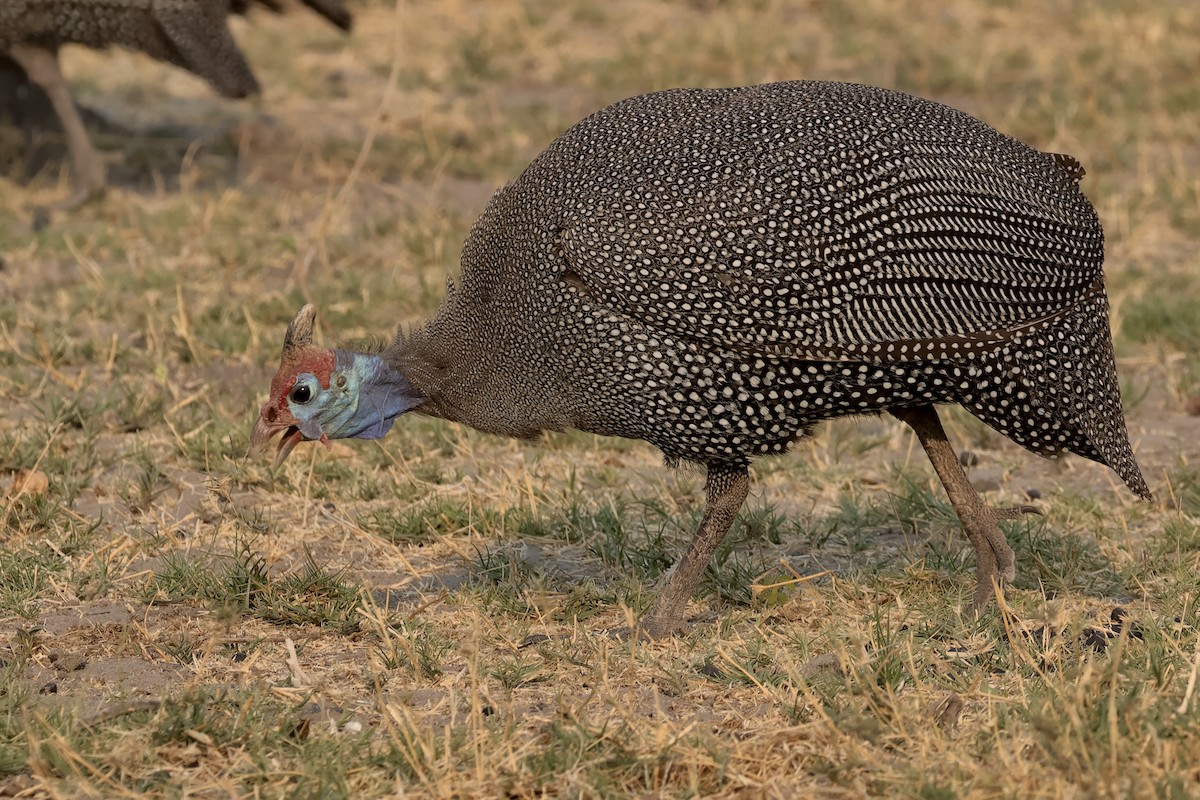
(994, 560)
(42, 68)
(726, 488)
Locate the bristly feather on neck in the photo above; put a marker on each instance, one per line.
(369, 345)
(428, 361)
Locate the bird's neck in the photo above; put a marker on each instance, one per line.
(430, 368)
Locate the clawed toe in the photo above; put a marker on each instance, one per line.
(1016, 512)
(647, 630)
(79, 198)
(621, 633)
(985, 591)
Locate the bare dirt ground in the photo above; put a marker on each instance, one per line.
(427, 615)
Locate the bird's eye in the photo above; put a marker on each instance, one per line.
(301, 394)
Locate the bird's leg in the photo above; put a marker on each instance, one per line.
(994, 560)
(726, 488)
(42, 68)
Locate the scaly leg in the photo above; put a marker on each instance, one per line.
(42, 68)
(994, 560)
(727, 487)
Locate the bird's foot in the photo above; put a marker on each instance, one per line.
(76, 200)
(79, 198)
(995, 562)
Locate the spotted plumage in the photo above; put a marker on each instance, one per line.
(715, 271)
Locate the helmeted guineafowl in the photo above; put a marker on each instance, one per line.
(715, 271)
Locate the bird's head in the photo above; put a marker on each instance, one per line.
(322, 394)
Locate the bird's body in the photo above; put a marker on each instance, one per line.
(192, 34)
(715, 271)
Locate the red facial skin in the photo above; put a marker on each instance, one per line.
(276, 414)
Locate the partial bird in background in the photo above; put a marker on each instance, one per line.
(192, 34)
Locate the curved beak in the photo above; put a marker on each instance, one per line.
(263, 433)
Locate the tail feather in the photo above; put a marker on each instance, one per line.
(1066, 397)
(334, 11)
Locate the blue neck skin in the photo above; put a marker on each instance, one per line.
(375, 395)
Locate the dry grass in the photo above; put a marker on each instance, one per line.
(425, 615)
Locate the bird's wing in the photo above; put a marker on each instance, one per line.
(921, 255)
